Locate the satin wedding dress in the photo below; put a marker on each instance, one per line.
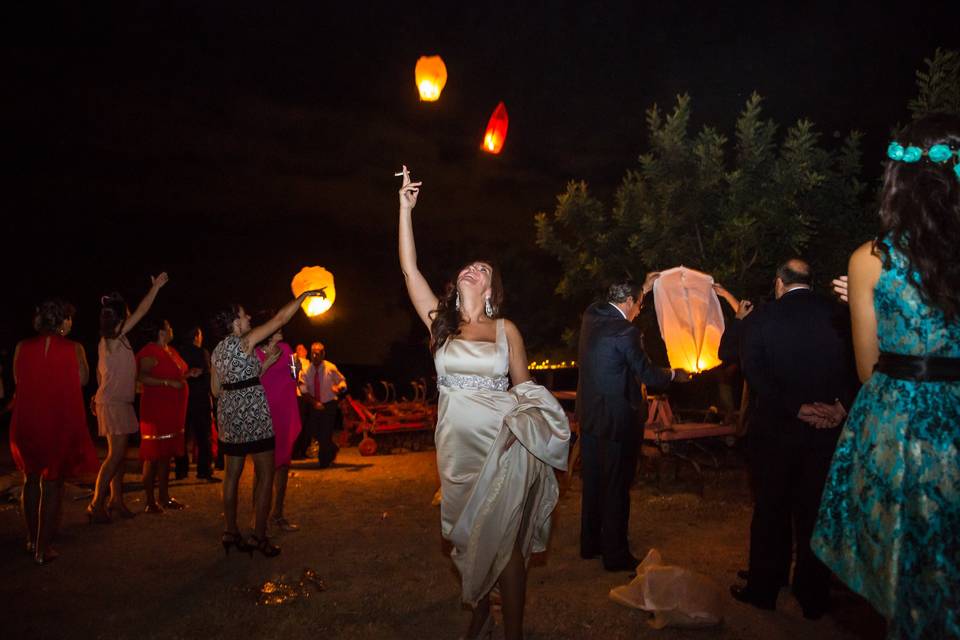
(497, 449)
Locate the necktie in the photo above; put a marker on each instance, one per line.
(316, 383)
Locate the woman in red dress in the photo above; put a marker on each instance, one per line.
(163, 411)
(48, 430)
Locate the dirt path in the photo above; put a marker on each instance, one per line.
(372, 537)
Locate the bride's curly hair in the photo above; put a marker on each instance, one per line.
(446, 319)
(920, 213)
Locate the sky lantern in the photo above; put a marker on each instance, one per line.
(310, 279)
(690, 318)
(496, 132)
(431, 76)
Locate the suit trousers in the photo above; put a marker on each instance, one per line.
(608, 469)
(197, 426)
(788, 476)
(321, 423)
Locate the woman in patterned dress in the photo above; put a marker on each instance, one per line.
(890, 511)
(243, 416)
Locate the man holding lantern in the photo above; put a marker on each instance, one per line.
(610, 410)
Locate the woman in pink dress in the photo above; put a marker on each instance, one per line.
(113, 404)
(48, 430)
(280, 370)
(163, 413)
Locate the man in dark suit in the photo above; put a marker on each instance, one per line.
(611, 411)
(797, 357)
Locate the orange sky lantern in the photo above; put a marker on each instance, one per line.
(312, 278)
(431, 76)
(496, 132)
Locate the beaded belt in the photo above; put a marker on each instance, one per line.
(243, 384)
(476, 383)
(918, 368)
(163, 436)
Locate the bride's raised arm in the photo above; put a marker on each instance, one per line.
(423, 299)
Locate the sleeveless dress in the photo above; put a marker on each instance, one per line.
(117, 372)
(889, 521)
(48, 429)
(281, 389)
(496, 451)
(163, 410)
(243, 417)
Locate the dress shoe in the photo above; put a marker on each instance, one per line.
(745, 595)
(627, 563)
(173, 504)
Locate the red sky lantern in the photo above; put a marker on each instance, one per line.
(496, 133)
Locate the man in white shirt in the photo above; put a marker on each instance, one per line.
(321, 383)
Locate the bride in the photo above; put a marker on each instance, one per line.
(497, 444)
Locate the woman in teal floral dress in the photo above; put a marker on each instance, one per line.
(889, 522)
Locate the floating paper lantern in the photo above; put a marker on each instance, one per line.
(690, 318)
(312, 279)
(431, 76)
(496, 132)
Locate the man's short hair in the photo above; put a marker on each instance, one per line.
(795, 271)
(620, 291)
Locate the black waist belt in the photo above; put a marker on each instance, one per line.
(918, 368)
(243, 384)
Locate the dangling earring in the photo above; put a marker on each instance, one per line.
(488, 308)
(456, 304)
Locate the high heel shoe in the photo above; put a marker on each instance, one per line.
(47, 556)
(234, 540)
(121, 510)
(264, 546)
(97, 515)
(173, 504)
(153, 508)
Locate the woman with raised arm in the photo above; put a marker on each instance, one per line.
(48, 430)
(113, 403)
(497, 445)
(243, 416)
(890, 511)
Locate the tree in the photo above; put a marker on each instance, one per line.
(938, 88)
(734, 211)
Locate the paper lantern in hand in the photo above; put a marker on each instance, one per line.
(313, 279)
(690, 318)
(496, 132)
(431, 76)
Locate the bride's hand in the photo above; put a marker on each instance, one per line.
(409, 191)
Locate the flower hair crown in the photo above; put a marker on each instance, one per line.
(938, 154)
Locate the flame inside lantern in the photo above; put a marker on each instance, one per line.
(430, 75)
(311, 279)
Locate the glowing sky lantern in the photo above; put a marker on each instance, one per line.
(313, 278)
(431, 76)
(690, 318)
(496, 132)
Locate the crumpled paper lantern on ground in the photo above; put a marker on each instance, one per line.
(311, 279)
(496, 133)
(430, 75)
(690, 318)
(676, 597)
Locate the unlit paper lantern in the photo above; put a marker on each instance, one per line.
(690, 318)
(431, 76)
(496, 133)
(312, 279)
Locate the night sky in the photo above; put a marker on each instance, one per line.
(232, 143)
